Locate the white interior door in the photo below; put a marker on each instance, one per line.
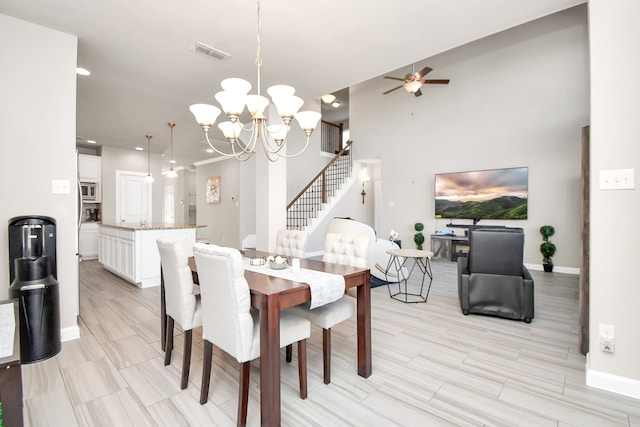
(133, 198)
(169, 204)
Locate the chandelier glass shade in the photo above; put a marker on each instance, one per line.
(148, 178)
(235, 97)
(172, 173)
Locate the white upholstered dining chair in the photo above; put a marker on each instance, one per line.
(229, 323)
(340, 249)
(291, 243)
(182, 305)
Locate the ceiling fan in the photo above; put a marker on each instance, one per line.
(414, 81)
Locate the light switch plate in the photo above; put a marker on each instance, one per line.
(617, 179)
(60, 186)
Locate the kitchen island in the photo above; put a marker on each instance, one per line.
(130, 251)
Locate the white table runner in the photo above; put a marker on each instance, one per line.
(325, 287)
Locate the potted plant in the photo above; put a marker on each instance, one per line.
(547, 247)
(418, 238)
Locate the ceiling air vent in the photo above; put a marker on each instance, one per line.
(210, 51)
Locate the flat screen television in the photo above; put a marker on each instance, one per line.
(483, 194)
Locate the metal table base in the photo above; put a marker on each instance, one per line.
(397, 260)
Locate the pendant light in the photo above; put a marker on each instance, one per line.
(172, 173)
(148, 178)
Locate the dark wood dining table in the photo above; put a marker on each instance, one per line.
(270, 295)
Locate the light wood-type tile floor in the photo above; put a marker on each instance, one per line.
(432, 366)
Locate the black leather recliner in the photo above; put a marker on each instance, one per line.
(493, 280)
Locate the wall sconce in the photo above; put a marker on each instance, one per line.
(365, 179)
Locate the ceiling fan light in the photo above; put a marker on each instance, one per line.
(412, 86)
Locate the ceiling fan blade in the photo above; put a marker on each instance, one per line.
(393, 78)
(391, 90)
(436, 82)
(418, 93)
(423, 72)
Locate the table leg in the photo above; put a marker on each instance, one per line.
(270, 360)
(364, 326)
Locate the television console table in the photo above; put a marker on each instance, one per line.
(449, 248)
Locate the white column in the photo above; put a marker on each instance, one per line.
(271, 195)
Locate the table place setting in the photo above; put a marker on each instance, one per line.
(325, 287)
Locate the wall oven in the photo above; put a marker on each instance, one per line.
(89, 191)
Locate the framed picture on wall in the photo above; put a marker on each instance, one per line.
(213, 189)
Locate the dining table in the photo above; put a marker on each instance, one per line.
(270, 295)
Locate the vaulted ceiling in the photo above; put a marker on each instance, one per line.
(145, 74)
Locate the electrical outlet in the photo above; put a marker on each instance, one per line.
(607, 337)
(606, 345)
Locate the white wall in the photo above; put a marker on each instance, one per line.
(518, 98)
(37, 145)
(221, 219)
(118, 159)
(615, 136)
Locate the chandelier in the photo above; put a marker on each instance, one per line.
(234, 97)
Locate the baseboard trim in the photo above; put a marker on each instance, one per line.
(69, 334)
(613, 383)
(556, 268)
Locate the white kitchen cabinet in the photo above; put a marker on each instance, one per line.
(88, 240)
(131, 251)
(89, 168)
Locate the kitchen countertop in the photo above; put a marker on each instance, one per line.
(151, 226)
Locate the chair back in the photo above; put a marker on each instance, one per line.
(496, 251)
(346, 249)
(291, 243)
(226, 302)
(178, 282)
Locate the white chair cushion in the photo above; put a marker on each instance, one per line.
(180, 301)
(292, 330)
(329, 315)
(346, 249)
(291, 243)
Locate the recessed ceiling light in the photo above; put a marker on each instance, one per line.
(90, 141)
(328, 98)
(209, 150)
(139, 149)
(83, 71)
(335, 104)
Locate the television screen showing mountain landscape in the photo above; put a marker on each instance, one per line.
(486, 194)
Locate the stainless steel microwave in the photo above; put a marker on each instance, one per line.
(89, 191)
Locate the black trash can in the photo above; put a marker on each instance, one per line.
(35, 286)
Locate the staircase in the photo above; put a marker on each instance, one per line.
(309, 206)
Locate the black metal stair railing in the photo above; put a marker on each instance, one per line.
(305, 206)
